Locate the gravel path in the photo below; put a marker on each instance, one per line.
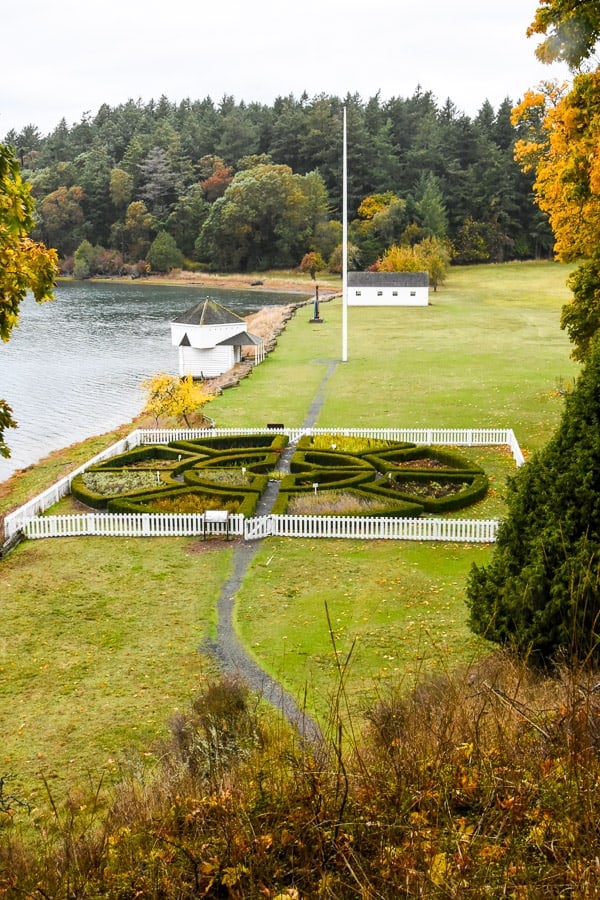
(227, 649)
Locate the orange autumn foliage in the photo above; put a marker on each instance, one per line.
(561, 143)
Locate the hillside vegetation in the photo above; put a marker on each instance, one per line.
(236, 187)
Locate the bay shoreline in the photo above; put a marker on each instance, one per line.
(266, 323)
(284, 282)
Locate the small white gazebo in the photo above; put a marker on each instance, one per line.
(210, 339)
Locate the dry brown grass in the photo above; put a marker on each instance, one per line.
(482, 783)
(270, 321)
(290, 280)
(336, 503)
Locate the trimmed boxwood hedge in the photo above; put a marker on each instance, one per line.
(317, 466)
(159, 452)
(363, 473)
(332, 478)
(257, 461)
(453, 462)
(257, 483)
(304, 461)
(143, 502)
(307, 443)
(258, 453)
(92, 498)
(475, 489)
(221, 445)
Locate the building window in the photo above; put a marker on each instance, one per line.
(394, 293)
(380, 293)
(357, 293)
(413, 293)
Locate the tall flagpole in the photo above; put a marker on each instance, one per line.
(345, 249)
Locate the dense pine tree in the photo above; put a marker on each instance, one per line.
(541, 591)
(153, 153)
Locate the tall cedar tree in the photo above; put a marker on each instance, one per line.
(540, 593)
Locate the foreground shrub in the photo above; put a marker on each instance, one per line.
(541, 591)
(481, 783)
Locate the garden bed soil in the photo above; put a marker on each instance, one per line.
(426, 462)
(427, 488)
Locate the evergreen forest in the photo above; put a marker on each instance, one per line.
(249, 187)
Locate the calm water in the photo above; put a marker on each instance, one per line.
(73, 368)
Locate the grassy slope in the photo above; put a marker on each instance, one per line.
(485, 352)
(100, 636)
(99, 648)
(396, 607)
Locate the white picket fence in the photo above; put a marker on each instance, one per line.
(194, 524)
(101, 524)
(14, 521)
(449, 437)
(472, 531)
(26, 518)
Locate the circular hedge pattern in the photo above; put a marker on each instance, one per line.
(384, 477)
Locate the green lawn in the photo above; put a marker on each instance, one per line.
(487, 351)
(99, 648)
(398, 606)
(101, 636)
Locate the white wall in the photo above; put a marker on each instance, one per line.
(388, 296)
(205, 363)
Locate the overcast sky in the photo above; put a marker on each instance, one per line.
(66, 58)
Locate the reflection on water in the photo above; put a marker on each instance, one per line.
(73, 367)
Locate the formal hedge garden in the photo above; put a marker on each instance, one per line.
(328, 475)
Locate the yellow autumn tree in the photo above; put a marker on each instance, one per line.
(560, 143)
(24, 264)
(312, 262)
(169, 395)
(431, 255)
(571, 30)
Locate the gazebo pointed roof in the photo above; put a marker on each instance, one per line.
(208, 312)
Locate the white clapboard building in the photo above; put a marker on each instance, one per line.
(210, 339)
(388, 289)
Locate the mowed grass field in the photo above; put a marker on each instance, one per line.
(487, 351)
(102, 639)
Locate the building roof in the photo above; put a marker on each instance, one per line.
(208, 312)
(388, 279)
(243, 339)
